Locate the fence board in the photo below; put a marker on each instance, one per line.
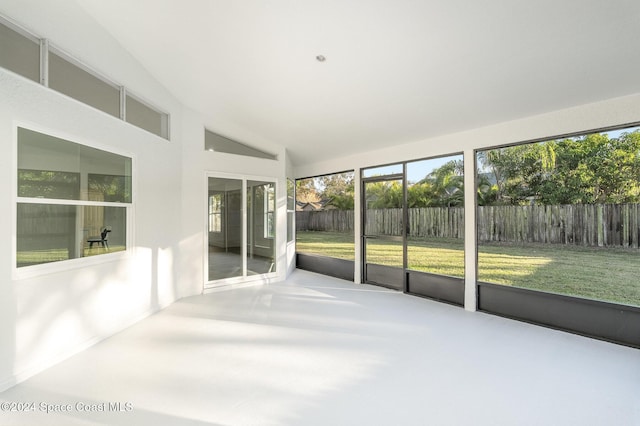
(575, 224)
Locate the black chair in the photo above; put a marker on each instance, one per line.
(102, 239)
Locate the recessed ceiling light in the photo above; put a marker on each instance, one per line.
(321, 58)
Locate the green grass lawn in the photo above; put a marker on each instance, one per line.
(595, 273)
(332, 244)
(36, 257)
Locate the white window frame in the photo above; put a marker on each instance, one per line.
(291, 213)
(68, 264)
(244, 279)
(14, 26)
(270, 213)
(165, 117)
(47, 46)
(215, 214)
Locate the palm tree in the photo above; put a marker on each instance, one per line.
(447, 182)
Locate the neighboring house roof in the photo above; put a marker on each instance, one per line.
(313, 206)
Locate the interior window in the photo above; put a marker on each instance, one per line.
(73, 200)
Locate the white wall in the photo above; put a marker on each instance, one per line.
(45, 318)
(52, 315)
(196, 162)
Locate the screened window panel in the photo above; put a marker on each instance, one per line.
(562, 216)
(146, 117)
(324, 216)
(19, 53)
(74, 81)
(382, 171)
(435, 232)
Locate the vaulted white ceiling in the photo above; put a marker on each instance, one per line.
(396, 71)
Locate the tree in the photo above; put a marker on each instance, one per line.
(342, 201)
(519, 170)
(587, 170)
(487, 192)
(335, 190)
(384, 195)
(338, 190)
(448, 184)
(420, 194)
(306, 191)
(616, 167)
(443, 187)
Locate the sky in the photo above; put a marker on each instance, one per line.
(416, 170)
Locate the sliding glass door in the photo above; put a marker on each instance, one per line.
(261, 210)
(225, 228)
(240, 228)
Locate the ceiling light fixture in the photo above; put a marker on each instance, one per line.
(321, 58)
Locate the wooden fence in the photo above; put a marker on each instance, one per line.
(325, 220)
(424, 222)
(578, 224)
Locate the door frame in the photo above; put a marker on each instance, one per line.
(434, 286)
(244, 278)
(390, 271)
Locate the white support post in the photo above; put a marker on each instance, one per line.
(357, 215)
(470, 235)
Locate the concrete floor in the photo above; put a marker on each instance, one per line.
(320, 351)
(228, 265)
